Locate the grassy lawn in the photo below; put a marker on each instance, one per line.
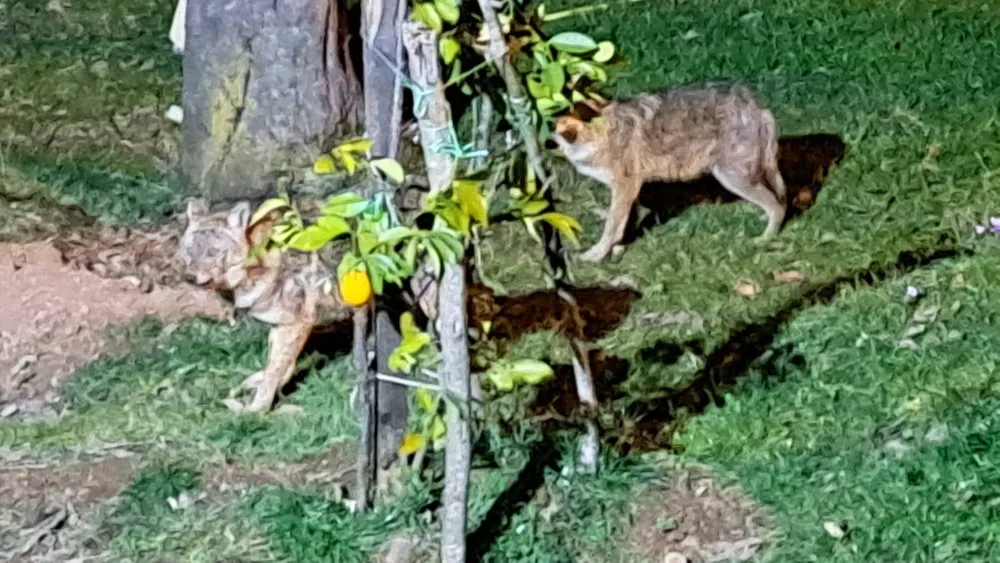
(859, 407)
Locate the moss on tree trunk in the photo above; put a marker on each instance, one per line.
(266, 84)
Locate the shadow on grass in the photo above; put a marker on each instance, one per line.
(804, 161)
(648, 425)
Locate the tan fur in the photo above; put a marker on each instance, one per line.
(290, 291)
(675, 136)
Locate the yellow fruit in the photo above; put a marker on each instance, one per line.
(356, 288)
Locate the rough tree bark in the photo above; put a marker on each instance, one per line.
(266, 83)
(421, 43)
(381, 34)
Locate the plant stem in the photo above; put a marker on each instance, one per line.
(421, 43)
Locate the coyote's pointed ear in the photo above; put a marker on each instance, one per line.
(196, 208)
(569, 127)
(259, 232)
(239, 216)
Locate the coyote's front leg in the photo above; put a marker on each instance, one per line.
(284, 345)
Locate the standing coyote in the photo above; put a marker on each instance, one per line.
(677, 135)
(292, 292)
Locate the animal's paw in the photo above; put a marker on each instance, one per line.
(253, 381)
(258, 405)
(595, 254)
(234, 405)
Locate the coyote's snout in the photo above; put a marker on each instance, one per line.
(293, 293)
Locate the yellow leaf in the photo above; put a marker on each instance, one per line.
(471, 200)
(565, 224)
(355, 146)
(349, 162)
(324, 165)
(449, 48)
(412, 443)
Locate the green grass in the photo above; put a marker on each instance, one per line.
(170, 391)
(65, 125)
(834, 422)
(854, 433)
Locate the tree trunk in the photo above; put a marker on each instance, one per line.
(381, 34)
(266, 83)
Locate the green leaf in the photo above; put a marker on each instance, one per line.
(407, 326)
(541, 56)
(396, 234)
(324, 165)
(537, 88)
(501, 379)
(529, 224)
(355, 146)
(548, 106)
(452, 241)
(425, 13)
(554, 77)
(471, 200)
(377, 276)
(334, 226)
(410, 253)
(345, 205)
(534, 207)
(389, 167)
(427, 402)
(283, 233)
(367, 241)
(565, 224)
(447, 9)
(349, 263)
(456, 218)
(449, 47)
(590, 70)
(438, 248)
(434, 257)
(605, 50)
(572, 42)
(310, 240)
(267, 207)
(438, 429)
(531, 372)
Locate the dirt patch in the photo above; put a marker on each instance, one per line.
(335, 467)
(47, 511)
(54, 310)
(693, 517)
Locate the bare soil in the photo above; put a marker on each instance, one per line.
(692, 517)
(59, 296)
